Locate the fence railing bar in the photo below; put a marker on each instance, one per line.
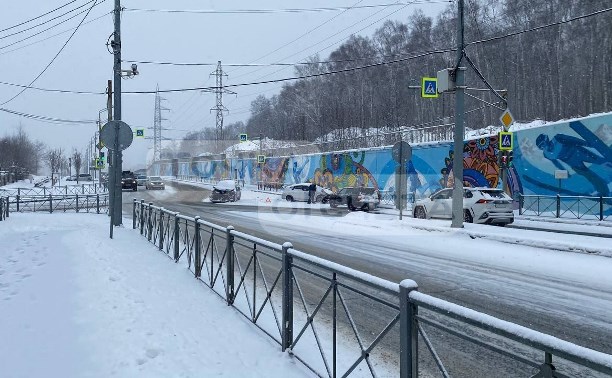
(309, 322)
(474, 340)
(433, 352)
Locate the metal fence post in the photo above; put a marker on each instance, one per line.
(197, 265)
(287, 315)
(8, 205)
(44, 191)
(141, 216)
(17, 201)
(229, 265)
(66, 189)
(97, 203)
(176, 237)
(601, 207)
(1, 208)
(150, 224)
(409, 335)
(83, 188)
(521, 203)
(50, 203)
(134, 215)
(161, 228)
(77, 202)
(558, 206)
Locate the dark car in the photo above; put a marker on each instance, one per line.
(365, 199)
(128, 180)
(225, 191)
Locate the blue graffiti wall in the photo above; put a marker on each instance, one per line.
(582, 147)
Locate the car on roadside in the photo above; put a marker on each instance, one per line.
(299, 192)
(356, 198)
(128, 180)
(225, 191)
(155, 182)
(480, 205)
(85, 177)
(141, 180)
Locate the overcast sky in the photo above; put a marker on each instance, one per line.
(86, 65)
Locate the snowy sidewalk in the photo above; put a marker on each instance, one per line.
(74, 303)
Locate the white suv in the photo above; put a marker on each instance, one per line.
(299, 192)
(480, 205)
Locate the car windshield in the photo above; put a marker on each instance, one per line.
(142, 177)
(155, 178)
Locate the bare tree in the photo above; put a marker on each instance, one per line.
(77, 160)
(55, 158)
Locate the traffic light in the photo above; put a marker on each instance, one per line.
(102, 155)
(510, 156)
(504, 160)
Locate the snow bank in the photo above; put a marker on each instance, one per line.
(76, 304)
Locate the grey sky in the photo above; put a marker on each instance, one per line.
(86, 65)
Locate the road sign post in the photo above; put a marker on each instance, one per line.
(402, 153)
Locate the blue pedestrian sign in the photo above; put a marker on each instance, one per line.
(243, 138)
(261, 159)
(429, 87)
(505, 141)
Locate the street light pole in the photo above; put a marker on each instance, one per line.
(118, 155)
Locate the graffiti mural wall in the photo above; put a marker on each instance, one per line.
(582, 147)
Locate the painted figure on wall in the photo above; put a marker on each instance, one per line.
(569, 152)
(337, 171)
(274, 170)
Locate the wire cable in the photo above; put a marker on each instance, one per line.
(47, 119)
(289, 10)
(55, 57)
(51, 27)
(37, 17)
(45, 22)
(54, 35)
(539, 27)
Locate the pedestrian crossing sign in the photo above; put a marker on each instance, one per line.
(505, 141)
(140, 133)
(243, 138)
(261, 158)
(429, 87)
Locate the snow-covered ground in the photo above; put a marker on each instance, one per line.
(74, 303)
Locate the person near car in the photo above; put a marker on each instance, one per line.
(312, 188)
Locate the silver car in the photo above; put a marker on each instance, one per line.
(155, 182)
(480, 205)
(141, 180)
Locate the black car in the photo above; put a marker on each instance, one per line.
(128, 180)
(365, 199)
(225, 191)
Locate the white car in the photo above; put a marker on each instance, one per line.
(154, 182)
(480, 205)
(299, 192)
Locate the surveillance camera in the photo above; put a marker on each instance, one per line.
(134, 68)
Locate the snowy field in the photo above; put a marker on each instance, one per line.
(76, 304)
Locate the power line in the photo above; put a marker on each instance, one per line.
(53, 36)
(45, 22)
(288, 10)
(51, 27)
(51, 90)
(55, 57)
(539, 27)
(37, 17)
(45, 118)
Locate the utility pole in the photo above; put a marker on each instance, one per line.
(111, 165)
(219, 108)
(457, 221)
(116, 216)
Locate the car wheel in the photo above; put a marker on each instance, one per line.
(234, 198)
(319, 198)
(419, 212)
(467, 216)
(333, 204)
(289, 198)
(135, 189)
(365, 207)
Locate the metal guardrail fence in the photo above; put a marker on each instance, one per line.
(304, 303)
(78, 202)
(45, 191)
(574, 207)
